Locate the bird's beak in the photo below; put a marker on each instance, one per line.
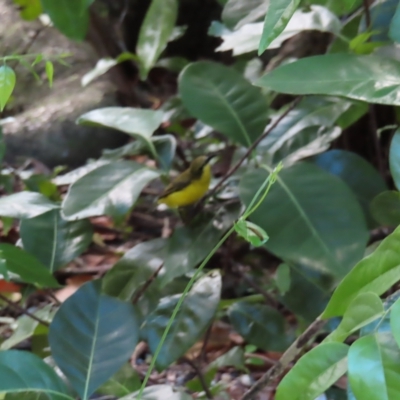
(210, 157)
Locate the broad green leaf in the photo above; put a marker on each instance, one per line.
(220, 97)
(27, 267)
(193, 318)
(259, 324)
(134, 268)
(159, 392)
(307, 199)
(375, 273)
(22, 371)
(92, 336)
(252, 233)
(315, 372)
(247, 38)
(369, 78)
(363, 309)
(395, 321)
(374, 368)
(394, 158)
(111, 189)
(26, 327)
(50, 72)
(278, 15)
(25, 205)
(102, 66)
(394, 30)
(237, 13)
(64, 15)
(155, 33)
(359, 174)
(7, 84)
(123, 382)
(29, 9)
(385, 208)
(189, 245)
(339, 7)
(282, 278)
(54, 241)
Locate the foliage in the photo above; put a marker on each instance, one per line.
(310, 206)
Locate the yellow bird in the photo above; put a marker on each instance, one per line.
(190, 186)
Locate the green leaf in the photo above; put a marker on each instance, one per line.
(29, 9)
(54, 241)
(307, 199)
(395, 321)
(159, 392)
(220, 97)
(92, 336)
(375, 273)
(278, 15)
(259, 324)
(339, 7)
(394, 158)
(50, 72)
(26, 266)
(191, 322)
(315, 372)
(282, 278)
(123, 382)
(189, 245)
(365, 181)
(394, 30)
(369, 78)
(25, 205)
(64, 15)
(363, 309)
(111, 189)
(22, 371)
(102, 66)
(252, 233)
(385, 208)
(7, 84)
(374, 368)
(155, 32)
(237, 13)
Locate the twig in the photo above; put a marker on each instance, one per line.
(252, 147)
(288, 356)
(23, 311)
(367, 13)
(203, 353)
(53, 297)
(149, 281)
(200, 375)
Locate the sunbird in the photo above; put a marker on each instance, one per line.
(190, 186)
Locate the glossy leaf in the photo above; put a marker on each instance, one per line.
(369, 78)
(92, 336)
(63, 15)
(54, 241)
(363, 309)
(385, 208)
(374, 368)
(394, 158)
(395, 321)
(22, 371)
(193, 318)
(25, 205)
(27, 267)
(189, 245)
(111, 189)
(159, 392)
(260, 325)
(102, 66)
(136, 122)
(7, 83)
(306, 199)
(220, 97)
(365, 181)
(394, 30)
(278, 15)
(375, 273)
(315, 372)
(155, 33)
(339, 7)
(237, 13)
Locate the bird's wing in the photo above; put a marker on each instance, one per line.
(175, 186)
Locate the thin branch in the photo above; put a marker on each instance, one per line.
(23, 311)
(288, 356)
(252, 147)
(200, 375)
(149, 281)
(367, 13)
